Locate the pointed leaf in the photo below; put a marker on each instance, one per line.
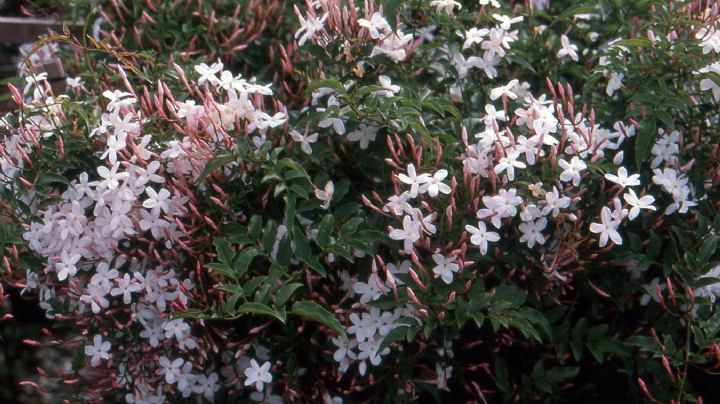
(315, 312)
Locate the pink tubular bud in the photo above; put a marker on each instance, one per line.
(644, 389)
(666, 366)
(412, 296)
(416, 279)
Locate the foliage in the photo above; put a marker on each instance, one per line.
(428, 200)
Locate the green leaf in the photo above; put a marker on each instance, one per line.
(501, 374)
(302, 245)
(284, 252)
(289, 210)
(397, 334)
(577, 10)
(234, 289)
(433, 106)
(259, 309)
(324, 230)
(537, 318)
(390, 12)
(192, 313)
(253, 283)
(315, 264)
(707, 249)
(221, 268)
(654, 245)
(49, 178)
(315, 312)
(216, 163)
(448, 107)
(224, 251)
(644, 141)
(285, 292)
(328, 83)
(255, 227)
(634, 43)
(368, 90)
(243, 260)
(268, 238)
(560, 374)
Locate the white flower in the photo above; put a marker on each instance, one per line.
(445, 5)
(185, 378)
(364, 134)
(509, 163)
(98, 350)
(325, 195)
(377, 25)
(498, 40)
(208, 73)
(651, 292)
(567, 49)
(474, 36)
(480, 236)
(506, 90)
(394, 46)
(369, 291)
(409, 234)
(258, 375)
(553, 202)
(493, 3)
(572, 170)
(443, 374)
(532, 232)
(607, 229)
(66, 267)
(500, 206)
(493, 115)
(370, 349)
(304, 140)
(111, 178)
(445, 266)
(413, 179)
(530, 212)
(614, 83)
(505, 21)
(712, 290)
(622, 178)
(390, 89)
(118, 99)
(157, 201)
(115, 144)
(434, 184)
(399, 204)
(309, 27)
(206, 385)
(345, 347)
(638, 203)
(172, 370)
(125, 286)
(395, 270)
(75, 82)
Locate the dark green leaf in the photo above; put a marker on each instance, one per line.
(328, 83)
(259, 309)
(285, 292)
(315, 312)
(224, 251)
(644, 141)
(243, 260)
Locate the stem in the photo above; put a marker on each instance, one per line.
(680, 398)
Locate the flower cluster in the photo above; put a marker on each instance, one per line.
(116, 238)
(409, 197)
